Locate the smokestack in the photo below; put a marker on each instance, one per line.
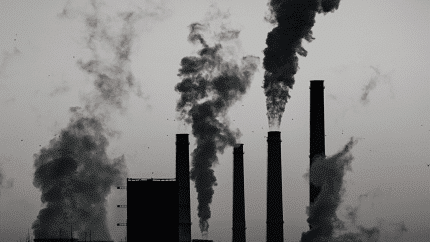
(275, 221)
(239, 228)
(183, 178)
(317, 133)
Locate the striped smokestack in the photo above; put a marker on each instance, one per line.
(239, 234)
(183, 178)
(275, 221)
(317, 134)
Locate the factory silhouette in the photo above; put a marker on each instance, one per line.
(147, 215)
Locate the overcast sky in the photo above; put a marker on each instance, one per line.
(379, 44)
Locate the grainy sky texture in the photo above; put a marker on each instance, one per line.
(373, 56)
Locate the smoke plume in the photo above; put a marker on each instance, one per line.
(75, 176)
(73, 172)
(374, 80)
(212, 82)
(294, 19)
(326, 226)
(328, 174)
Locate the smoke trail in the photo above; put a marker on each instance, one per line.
(328, 174)
(326, 226)
(73, 172)
(212, 82)
(374, 80)
(294, 19)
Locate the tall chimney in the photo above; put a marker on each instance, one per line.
(317, 134)
(275, 221)
(239, 227)
(183, 178)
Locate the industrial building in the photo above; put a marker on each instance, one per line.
(152, 209)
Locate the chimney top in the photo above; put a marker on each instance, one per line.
(317, 84)
(274, 136)
(182, 138)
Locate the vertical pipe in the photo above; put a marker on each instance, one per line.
(183, 178)
(239, 226)
(317, 133)
(275, 220)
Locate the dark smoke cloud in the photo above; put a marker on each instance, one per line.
(73, 172)
(75, 176)
(294, 19)
(211, 83)
(374, 80)
(326, 226)
(328, 174)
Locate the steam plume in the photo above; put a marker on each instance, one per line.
(73, 172)
(211, 83)
(294, 19)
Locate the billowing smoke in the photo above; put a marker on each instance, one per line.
(73, 172)
(75, 176)
(374, 80)
(211, 83)
(328, 174)
(326, 226)
(294, 19)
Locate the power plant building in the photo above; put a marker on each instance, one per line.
(152, 209)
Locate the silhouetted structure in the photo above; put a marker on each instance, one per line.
(275, 221)
(239, 227)
(56, 240)
(152, 209)
(183, 178)
(317, 133)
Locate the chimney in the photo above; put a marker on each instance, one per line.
(183, 178)
(274, 221)
(239, 228)
(317, 134)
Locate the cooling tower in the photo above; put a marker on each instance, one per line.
(239, 227)
(183, 178)
(317, 134)
(275, 221)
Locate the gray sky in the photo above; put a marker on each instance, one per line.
(377, 46)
